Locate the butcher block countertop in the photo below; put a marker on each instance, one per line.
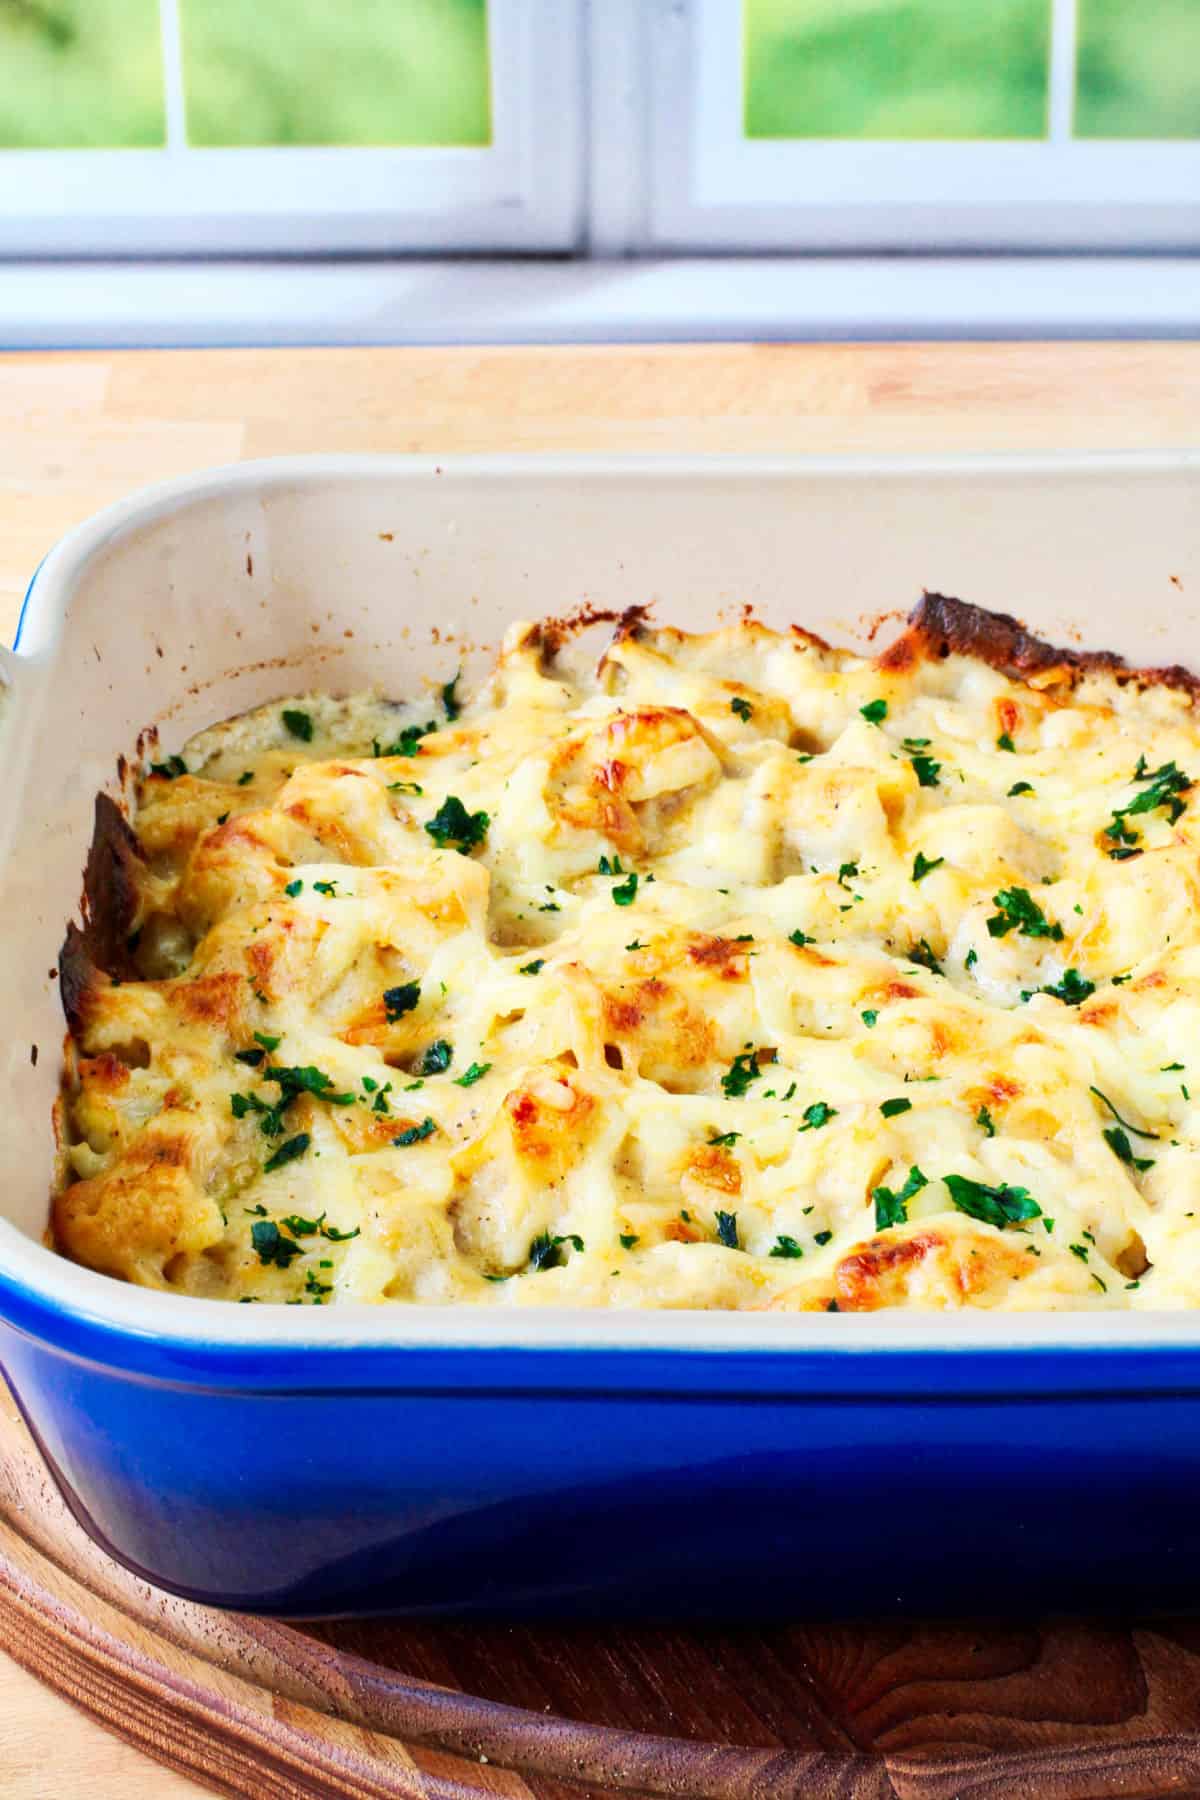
(80, 430)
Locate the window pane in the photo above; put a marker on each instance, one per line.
(336, 71)
(1139, 69)
(80, 74)
(897, 68)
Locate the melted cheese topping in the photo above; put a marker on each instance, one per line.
(738, 972)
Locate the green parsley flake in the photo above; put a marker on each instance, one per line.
(984, 1118)
(1004, 742)
(725, 1139)
(1120, 1146)
(822, 1237)
(742, 1071)
(891, 1208)
(293, 888)
(400, 1000)
(545, 1252)
(999, 1206)
(299, 724)
(415, 1134)
(742, 708)
(170, 770)
(787, 1247)
(287, 1152)
(533, 968)
(818, 1114)
(1105, 1101)
(1020, 787)
(454, 827)
(922, 865)
(475, 1073)
(800, 938)
(409, 741)
(271, 1246)
(623, 894)
(437, 1058)
(874, 712)
(1072, 990)
(1019, 911)
(245, 778)
(870, 1018)
(727, 1231)
(891, 1109)
(450, 700)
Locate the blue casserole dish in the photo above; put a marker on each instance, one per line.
(346, 1460)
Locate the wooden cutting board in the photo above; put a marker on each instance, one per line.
(1048, 1711)
(1041, 1711)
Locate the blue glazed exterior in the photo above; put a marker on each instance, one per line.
(584, 1482)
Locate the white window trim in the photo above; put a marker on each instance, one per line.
(408, 301)
(522, 192)
(713, 189)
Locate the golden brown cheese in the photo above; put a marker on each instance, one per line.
(735, 971)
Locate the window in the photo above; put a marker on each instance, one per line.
(166, 127)
(925, 124)
(142, 126)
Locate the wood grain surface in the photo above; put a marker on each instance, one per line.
(1068, 1711)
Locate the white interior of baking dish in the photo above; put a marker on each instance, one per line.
(207, 595)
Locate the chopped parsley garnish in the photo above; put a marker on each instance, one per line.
(911, 744)
(245, 778)
(545, 1252)
(328, 888)
(271, 1245)
(532, 968)
(623, 893)
(822, 1237)
(1170, 1068)
(922, 954)
(628, 1239)
(1105, 1101)
(971, 958)
(222, 817)
(437, 1058)
(891, 1207)
(874, 712)
(637, 944)
(302, 1227)
(610, 865)
(415, 1134)
(1004, 742)
(316, 1287)
(742, 708)
(1079, 1250)
(287, 1152)
(846, 872)
(926, 770)
(1020, 787)
(267, 1040)
(293, 888)
(298, 723)
(1072, 990)
(405, 787)
(409, 741)
(787, 1247)
(1120, 1146)
(984, 1118)
(727, 1231)
(251, 1057)
(1164, 787)
(452, 825)
(818, 1114)
(725, 1139)
(400, 1000)
(450, 699)
(380, 1103)
(800, 938)
(742, 1071)
(170, 770)
(549, 906)
(999, 1206)
(870, 1018)
(1019, 911)
(475, 1073)
(892, 1108)
(922, 865)
(304, 1080)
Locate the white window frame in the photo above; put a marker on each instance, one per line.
(522, 192)
(707, 187)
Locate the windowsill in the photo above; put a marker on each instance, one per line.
(54, 305)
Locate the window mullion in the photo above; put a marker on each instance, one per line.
(1064, 40)
(172, 62)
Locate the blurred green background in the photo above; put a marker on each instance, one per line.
(79, 73)
(88, 73)
(1139, 69)
(897, 68)
(336, 71)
